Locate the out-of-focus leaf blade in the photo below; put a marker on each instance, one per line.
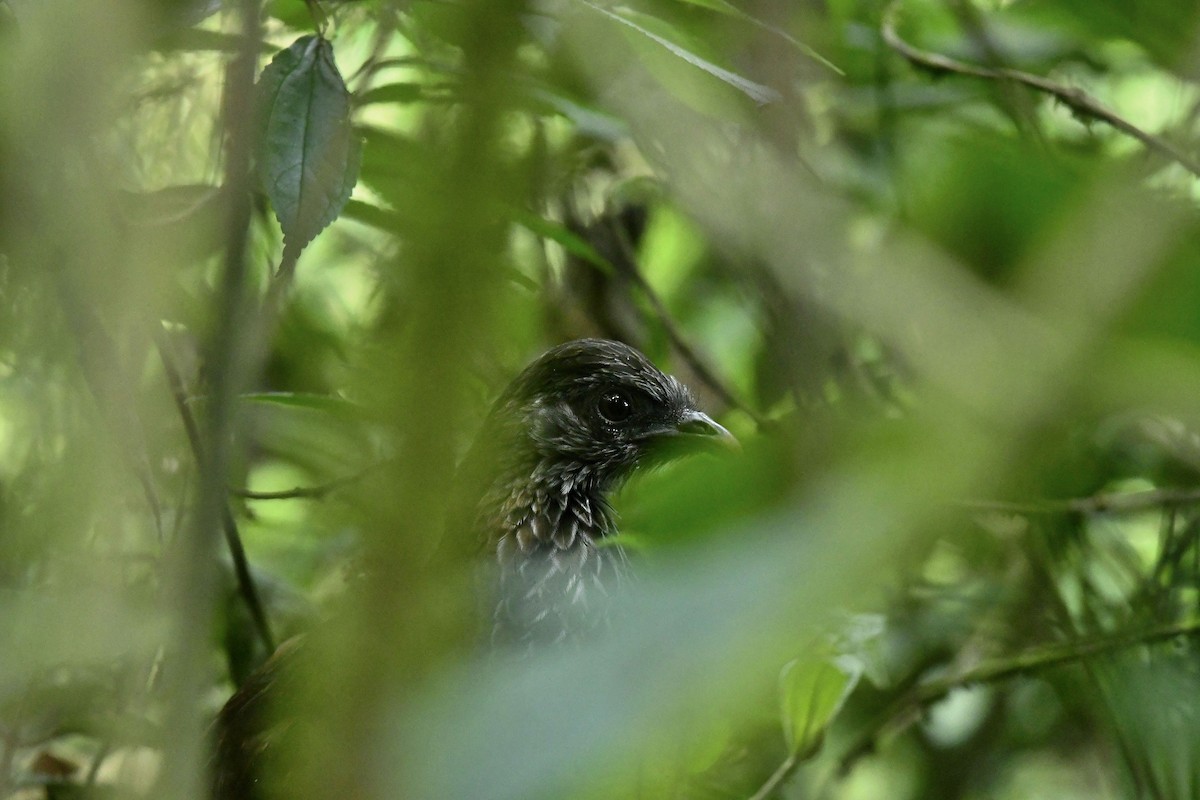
(589, 121)
(177, 224)
(406, 92)
(201, 39)
(559, 234)
(729, 9)
(325, 435)
(376, 217)
(812, 691)
(755, 91)
(315, 402)
(309, 154)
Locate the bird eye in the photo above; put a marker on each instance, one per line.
(615, 406)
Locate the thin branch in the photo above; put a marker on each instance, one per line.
(89, 782)
(109, 387)
(228, 360)
(233, 540)
(628, 265)
(778, 777)
(385, 31)
(319, 17)
(1079, 101)
(1128, 503)
(920, 697)
(304, 492)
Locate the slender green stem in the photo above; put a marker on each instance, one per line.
(921, 696)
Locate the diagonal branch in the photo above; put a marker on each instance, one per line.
(909, 705)
(233, 539)
(1128, 503)
(306, 492)
(1080, 102)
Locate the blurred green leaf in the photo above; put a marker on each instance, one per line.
(293, 13)
(571, 242)
(588, 121)
(727, 8)
(201, 39)
(326, 435)
(1015, 196)
(175, 225)
(376, 217)
(812, 692)
(393, 93)
(1166, 29)
(662, 34)
(388, 162)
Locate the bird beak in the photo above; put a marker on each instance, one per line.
(701, 428)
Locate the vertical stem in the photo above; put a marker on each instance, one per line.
(452, 278)
(194, 568)
(233, 539)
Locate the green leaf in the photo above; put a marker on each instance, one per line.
(588, 121)
(1166, 29)
(729, 9)
(381, 218)
(394, 93)
(388, 163)
(309, 154)
(307, 400)
(325, 435)
(174, 225)
(755, 91)
(571, 242)
(813, 691)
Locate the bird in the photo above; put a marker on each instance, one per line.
(565, 433)
(561, 438)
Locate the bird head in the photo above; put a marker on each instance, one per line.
(594, 410)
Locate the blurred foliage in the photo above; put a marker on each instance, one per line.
(934, 261)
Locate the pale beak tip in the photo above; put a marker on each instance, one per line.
(699, 424)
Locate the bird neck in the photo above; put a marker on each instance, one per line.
(550, 505)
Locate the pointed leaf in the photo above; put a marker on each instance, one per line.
(756, 91)
(570, 241)
(729, 9)
(813, 691)
(309, 155)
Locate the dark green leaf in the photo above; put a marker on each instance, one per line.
(368, 214)
(1164, 28)
(393, 93)
(309, 156)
